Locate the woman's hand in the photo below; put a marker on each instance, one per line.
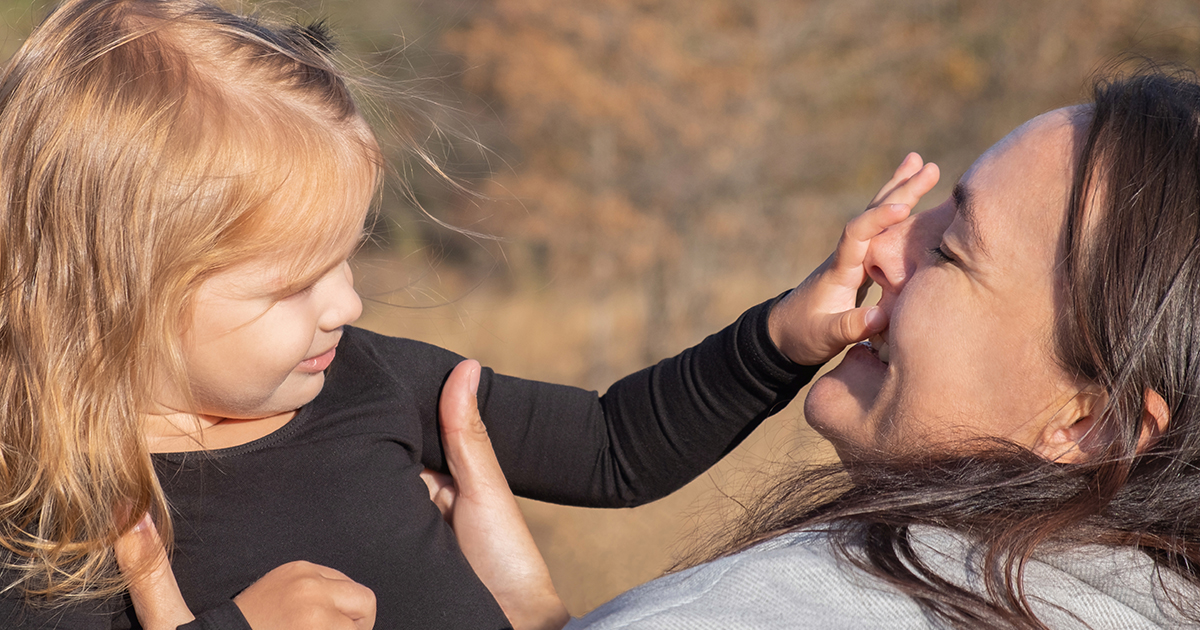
(156, 597)
(822, 316)
(483, 512)
(294, 596)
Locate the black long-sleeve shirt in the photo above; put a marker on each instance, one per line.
(338, 485)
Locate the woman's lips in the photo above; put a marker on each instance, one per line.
(862, 352)
(319, 362)
(880, 347)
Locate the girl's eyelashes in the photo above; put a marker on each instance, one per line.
(940, 256)
(301, 290)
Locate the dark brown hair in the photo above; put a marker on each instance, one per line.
(1128, 322)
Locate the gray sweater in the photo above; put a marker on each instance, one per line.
(798, 581)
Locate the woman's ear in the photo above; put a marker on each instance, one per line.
(1156, 417)
(1076, 434)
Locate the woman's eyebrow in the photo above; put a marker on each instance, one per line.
(964, 205)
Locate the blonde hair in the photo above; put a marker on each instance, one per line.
(144, 145)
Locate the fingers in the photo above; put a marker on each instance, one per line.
(442, 492)
(895, 201)
(856, 238)
(305, 596)
(910, 166)
(156, 598)
(910, 191)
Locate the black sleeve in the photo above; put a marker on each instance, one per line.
(651, 433)
(225, 617)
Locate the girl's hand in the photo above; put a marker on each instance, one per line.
(822, 316)
(486, 519)
(305, 596)
(294, 596)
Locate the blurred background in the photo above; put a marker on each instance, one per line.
(630, 175)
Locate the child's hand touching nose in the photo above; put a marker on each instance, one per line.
(295, 596)
(822, 316)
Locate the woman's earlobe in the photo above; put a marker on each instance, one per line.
(1156, 417)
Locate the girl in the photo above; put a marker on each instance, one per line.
(182, 188)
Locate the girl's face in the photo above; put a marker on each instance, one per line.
(251, 354)
(969, 287)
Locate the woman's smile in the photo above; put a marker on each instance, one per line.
(978, 267)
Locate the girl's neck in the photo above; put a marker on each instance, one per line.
(183, 432)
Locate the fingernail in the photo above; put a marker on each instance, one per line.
(143, 524)
(875, 318)
(474, 379)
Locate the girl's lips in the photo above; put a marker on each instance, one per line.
(319, 362)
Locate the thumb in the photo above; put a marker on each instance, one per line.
(143, 559)
(857, 324)
(464, 437)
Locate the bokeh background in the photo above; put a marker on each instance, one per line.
(604, 182)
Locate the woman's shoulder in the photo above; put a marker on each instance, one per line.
(796, 580)
(804, 580)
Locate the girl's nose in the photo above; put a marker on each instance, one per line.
(342, 305)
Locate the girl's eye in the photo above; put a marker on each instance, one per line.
(296, 291)
(940, 256)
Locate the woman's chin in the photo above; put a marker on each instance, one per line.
(838, 403)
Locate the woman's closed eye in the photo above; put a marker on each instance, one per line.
(941, 256)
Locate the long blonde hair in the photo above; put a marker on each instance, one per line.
(144, 145)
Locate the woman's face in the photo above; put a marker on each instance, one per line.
(969, 288)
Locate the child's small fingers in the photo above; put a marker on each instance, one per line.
(910, 191)
(856, 237)
(909, 166)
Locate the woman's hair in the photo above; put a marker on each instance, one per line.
(144, 146)
(1128, 322)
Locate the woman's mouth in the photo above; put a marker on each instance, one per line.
(879, 347)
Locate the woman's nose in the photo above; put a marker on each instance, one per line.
(889, 262)
(894, 256)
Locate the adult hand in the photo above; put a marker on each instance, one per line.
(295, 596)
(484, 514)
(822, 316)
(156, 598)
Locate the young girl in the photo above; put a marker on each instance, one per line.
(182, 188)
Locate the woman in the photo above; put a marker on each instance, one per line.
(1020, 447)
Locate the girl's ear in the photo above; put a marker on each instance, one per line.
(1076, 433)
